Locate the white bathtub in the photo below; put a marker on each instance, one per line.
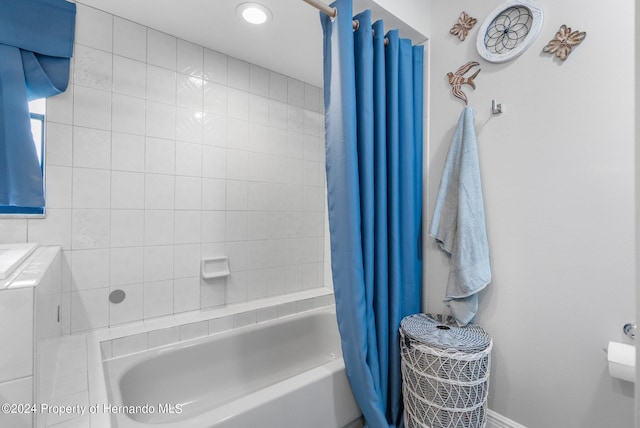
(283, 373)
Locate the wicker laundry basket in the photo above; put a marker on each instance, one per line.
(445, 372)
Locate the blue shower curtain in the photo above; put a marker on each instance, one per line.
(373, 122)
(36, 43)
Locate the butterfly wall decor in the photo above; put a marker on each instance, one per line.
(564, 41)
(465, 23)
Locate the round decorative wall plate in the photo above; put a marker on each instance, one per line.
(509, 30)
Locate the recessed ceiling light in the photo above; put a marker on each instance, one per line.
(254, 13)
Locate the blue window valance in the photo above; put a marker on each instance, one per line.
(36, 44)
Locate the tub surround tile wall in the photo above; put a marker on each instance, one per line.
(162, 152)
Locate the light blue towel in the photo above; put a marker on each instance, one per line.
(458, 223)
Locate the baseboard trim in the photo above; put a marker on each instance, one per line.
(496, 420)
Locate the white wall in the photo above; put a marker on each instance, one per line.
(558, 179)
(161, 152)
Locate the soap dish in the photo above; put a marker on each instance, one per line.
(216, 267)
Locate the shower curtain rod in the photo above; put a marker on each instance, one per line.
(333, 12)
(328, 10)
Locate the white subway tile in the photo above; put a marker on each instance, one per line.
(94, 28)
(258, 110)
(89, 269)
(89, 309)
(305, 305)
(278, 143)
(158, 263)
(213, 226)
(214, 162)
(92, 67)
(215, 66)
(91, 148)
(237, 164)
(237, 254)
(258, 167)
(129, 77)
(189, 125)
(278, 114)
(266, 314)
(188, 193)
(90, 228)
(295, 145)
(187, 227)
(126, 266)
(161, 120)
(313, 98)
(128, 115)
(212, 293)
(218, 325)
(186, 261)
(91, 108)
(237, 134)
(158, 299)
(293, 281)
(238, 74)
(130, 344)
(213, 194)
(190, 59)
(257, 196)
(190, 91)
(236, 195)
(161, 85)
(214, 130)
(286, 309)
(295, 119)
(237, 284)
(127, 152)
(165, 336)
(277, 86)
(59, 179)
(194, 330)
(127, 228)
(161, 49)
(238, 104)
(59, 139)
(130, 309)
(275, 279)
(256, 286)
(236, 228)
(129, 39)
(160, 156)
(91, 188)
(158, 227)
(188, 159)
(257, 225)
(295, 92)
(258, 80)
(244, 319)
(127, 190)
(215, 98)
(159, 192)
(258, 138)
(186, 294)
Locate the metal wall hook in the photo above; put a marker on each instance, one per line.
(496, 108)
(630, 330)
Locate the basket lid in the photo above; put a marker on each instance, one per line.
(442, 332)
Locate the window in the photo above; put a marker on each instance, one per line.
(37, 110)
